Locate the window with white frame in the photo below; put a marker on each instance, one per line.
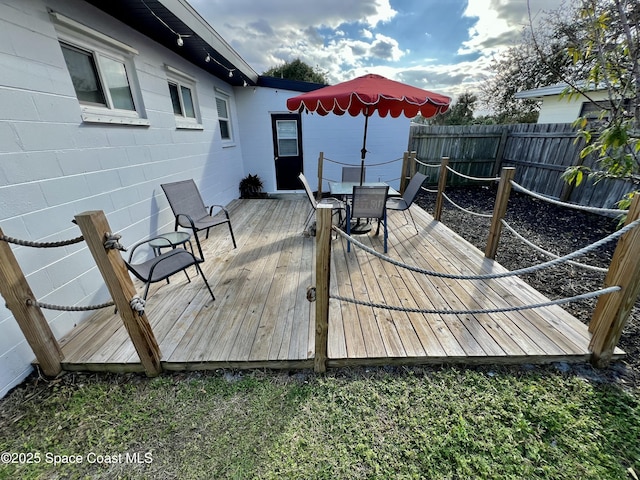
(224, 117)
(182, 90)
(102, 73)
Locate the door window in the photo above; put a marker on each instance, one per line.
(287, 133)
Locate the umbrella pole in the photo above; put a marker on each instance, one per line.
(363, 152)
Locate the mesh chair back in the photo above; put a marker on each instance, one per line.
(184, 198)
(369, 201)
(411, 192)
(307, 189)
(352, 174)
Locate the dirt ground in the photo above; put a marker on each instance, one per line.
(558, 230)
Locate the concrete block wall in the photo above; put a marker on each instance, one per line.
(53, 165)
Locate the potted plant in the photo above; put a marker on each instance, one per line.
(251, 187)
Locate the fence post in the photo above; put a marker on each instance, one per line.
(412, 164)
(320, 168)
(16, 292)
(499, 209)
(94, 226)
(323, 274)
(613, 309)
(404, 172)
(500, 152)
(442, 183)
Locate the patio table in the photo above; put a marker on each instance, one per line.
(170, 240)
(345, 189)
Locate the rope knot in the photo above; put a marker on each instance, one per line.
(112, 242)
(137, 304)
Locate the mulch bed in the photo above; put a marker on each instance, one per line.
(556, 229)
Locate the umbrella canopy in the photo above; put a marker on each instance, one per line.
(368, 94)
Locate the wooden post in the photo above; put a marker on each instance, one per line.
(412, 164)
(94, 225)
(404, 172)
(16, 292)
(499, 209)
(320, 168)
(500, 151)
(323, 273)
(442, 183)
(613, 309)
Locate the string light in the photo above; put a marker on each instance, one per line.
(180, 42)
(209, 58)
(180, 36)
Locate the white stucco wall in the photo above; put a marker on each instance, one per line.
(339, 137)
(53, 166)
(557, 109)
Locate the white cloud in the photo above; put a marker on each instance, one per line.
(383, 13)
(269, 33)
(343, 39)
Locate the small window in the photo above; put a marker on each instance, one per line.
(98, 80)
(102, 73)
(183, 98)
(224, 119)
(595, 110)
(600, 110)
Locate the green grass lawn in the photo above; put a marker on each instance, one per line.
(426, 423)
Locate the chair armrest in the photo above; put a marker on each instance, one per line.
(222, 209)
(143, 242)
(188, 217)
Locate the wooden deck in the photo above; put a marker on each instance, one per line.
(261, 317)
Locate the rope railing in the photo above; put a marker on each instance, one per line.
(357, 165)
(550, 254)
(560, 301)
(584, 208)
(50, 306)
(475, 179)
(477, 214)
(521, 271)
(28, 243)
(111, 241)
(427, 165)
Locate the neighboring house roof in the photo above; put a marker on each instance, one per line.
(163, 20)
(557, 89)
(538, 93)
(286, 84)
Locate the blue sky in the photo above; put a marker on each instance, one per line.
(442, 45)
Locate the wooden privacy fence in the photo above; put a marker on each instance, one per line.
(541, 153)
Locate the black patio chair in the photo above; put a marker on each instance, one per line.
(163, 266)
(190, 211)
(408, 197)
(368, 202)
(336, 205)
(353, 174)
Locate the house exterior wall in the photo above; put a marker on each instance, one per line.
(557, 109)
(54, 166)
(339, 137)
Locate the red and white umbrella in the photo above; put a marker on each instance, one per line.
(368, 94)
